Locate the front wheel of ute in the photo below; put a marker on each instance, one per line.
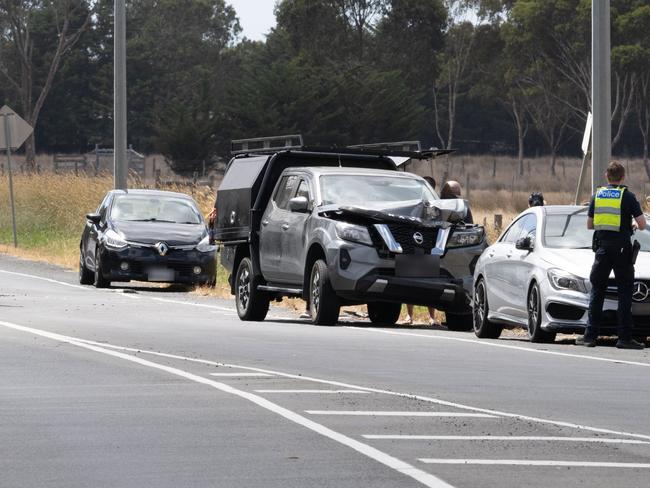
(384, 313)
(324, 304)
(252, 304)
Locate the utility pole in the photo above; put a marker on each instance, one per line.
(119, 95)
(601, 90)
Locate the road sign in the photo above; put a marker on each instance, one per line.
(19, 130)
(586, 138)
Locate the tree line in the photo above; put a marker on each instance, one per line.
(482, 76)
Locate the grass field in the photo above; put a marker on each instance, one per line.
(51, 209)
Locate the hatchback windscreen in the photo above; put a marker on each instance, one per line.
(362, 189)
(154, 209)
(569, 231)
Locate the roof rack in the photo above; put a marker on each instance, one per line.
(401, 148)
(410, 146)
(266, 144)
(288, 143)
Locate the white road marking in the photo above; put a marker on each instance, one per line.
(423, 398)
(436, 401)
(369, 413)
(49, 280)
(530, 462)
(396, 464)
(481, 342)
(241, 375)
(312, 391)
(599, 440)
(488, 343)
(192, 304)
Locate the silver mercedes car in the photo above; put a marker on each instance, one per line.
(536, 276)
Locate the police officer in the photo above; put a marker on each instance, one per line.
(611, 212)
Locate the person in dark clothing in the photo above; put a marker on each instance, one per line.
(431, 180)
(452, 189)
(536, 199)
(611, 212)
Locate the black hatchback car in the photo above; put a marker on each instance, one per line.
(146, 235)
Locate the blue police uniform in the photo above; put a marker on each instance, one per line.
(613, 252)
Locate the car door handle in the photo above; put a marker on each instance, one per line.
(490, 255)
(285, 226)
(265, 222)
(509, 255)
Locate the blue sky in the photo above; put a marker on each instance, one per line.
(255, 16)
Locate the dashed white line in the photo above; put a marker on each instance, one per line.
(365, 449)
(314, 391)
(242, 375)
(369, 413)
(598, 440)
(388, 392)
(531, 462)
(341, 384)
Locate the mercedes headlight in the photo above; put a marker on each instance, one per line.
(562, 280)
(114, 240)
(466, 237)
(354, 233)
(205, 246)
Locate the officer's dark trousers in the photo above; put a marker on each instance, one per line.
(617, 257)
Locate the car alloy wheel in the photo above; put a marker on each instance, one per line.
(483, 327)
(243, 288)
(324, 304)
(535, 331)
(315, 290)
(251, 303)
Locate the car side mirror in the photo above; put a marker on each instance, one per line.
(94, 218)
(299, 204)
(524, 244)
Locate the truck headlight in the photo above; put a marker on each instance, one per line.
(114, 240)
(466, 237)
(562, 280)
(354, 233)
(205, 246)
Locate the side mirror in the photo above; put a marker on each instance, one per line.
(299, 204)
(524, 244)
(94, 218)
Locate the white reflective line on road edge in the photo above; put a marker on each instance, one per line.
(484, 342)
(527, 462)
(24, 275)
(396, 464)
(241, 375)
(599, 440)
(88, 288)
(341, 384)
(313, 391)
(367, 413)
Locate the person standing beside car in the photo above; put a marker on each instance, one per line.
(611, 212)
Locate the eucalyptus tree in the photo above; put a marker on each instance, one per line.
(36, 35)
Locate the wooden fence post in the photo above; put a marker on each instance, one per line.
(498, 222)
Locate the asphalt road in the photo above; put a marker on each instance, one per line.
(144, 387)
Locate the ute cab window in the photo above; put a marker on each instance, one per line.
(285, 191)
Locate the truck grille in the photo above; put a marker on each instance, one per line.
(404, 235)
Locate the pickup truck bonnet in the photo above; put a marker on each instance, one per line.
(441, 213)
